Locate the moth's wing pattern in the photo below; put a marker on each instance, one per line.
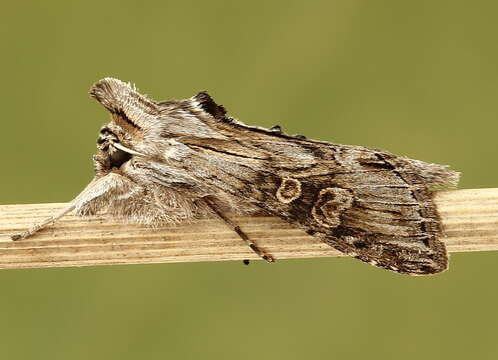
(371, 205)
(161, 162)
(365, 202)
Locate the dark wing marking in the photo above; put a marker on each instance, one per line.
(384, 215)
(365, 202)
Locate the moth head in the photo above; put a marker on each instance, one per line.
(113, 154)
(130, 112)
(140, 124)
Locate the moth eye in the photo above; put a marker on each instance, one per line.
(106, 135)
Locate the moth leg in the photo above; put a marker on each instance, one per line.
(43, 224)
(88, 201)
(239, 232)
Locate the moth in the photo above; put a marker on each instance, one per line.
(176, 160)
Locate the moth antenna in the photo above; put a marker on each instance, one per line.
(43, 224)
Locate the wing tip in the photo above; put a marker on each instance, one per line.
(437, 176)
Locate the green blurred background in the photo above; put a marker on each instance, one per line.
(418, 78)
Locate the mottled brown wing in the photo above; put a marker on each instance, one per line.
(369, 204)
(365, 202)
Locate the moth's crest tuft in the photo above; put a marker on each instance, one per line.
(207, 104)
(108, 92)
(129, 109)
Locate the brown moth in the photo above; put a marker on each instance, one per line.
(171, 161)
